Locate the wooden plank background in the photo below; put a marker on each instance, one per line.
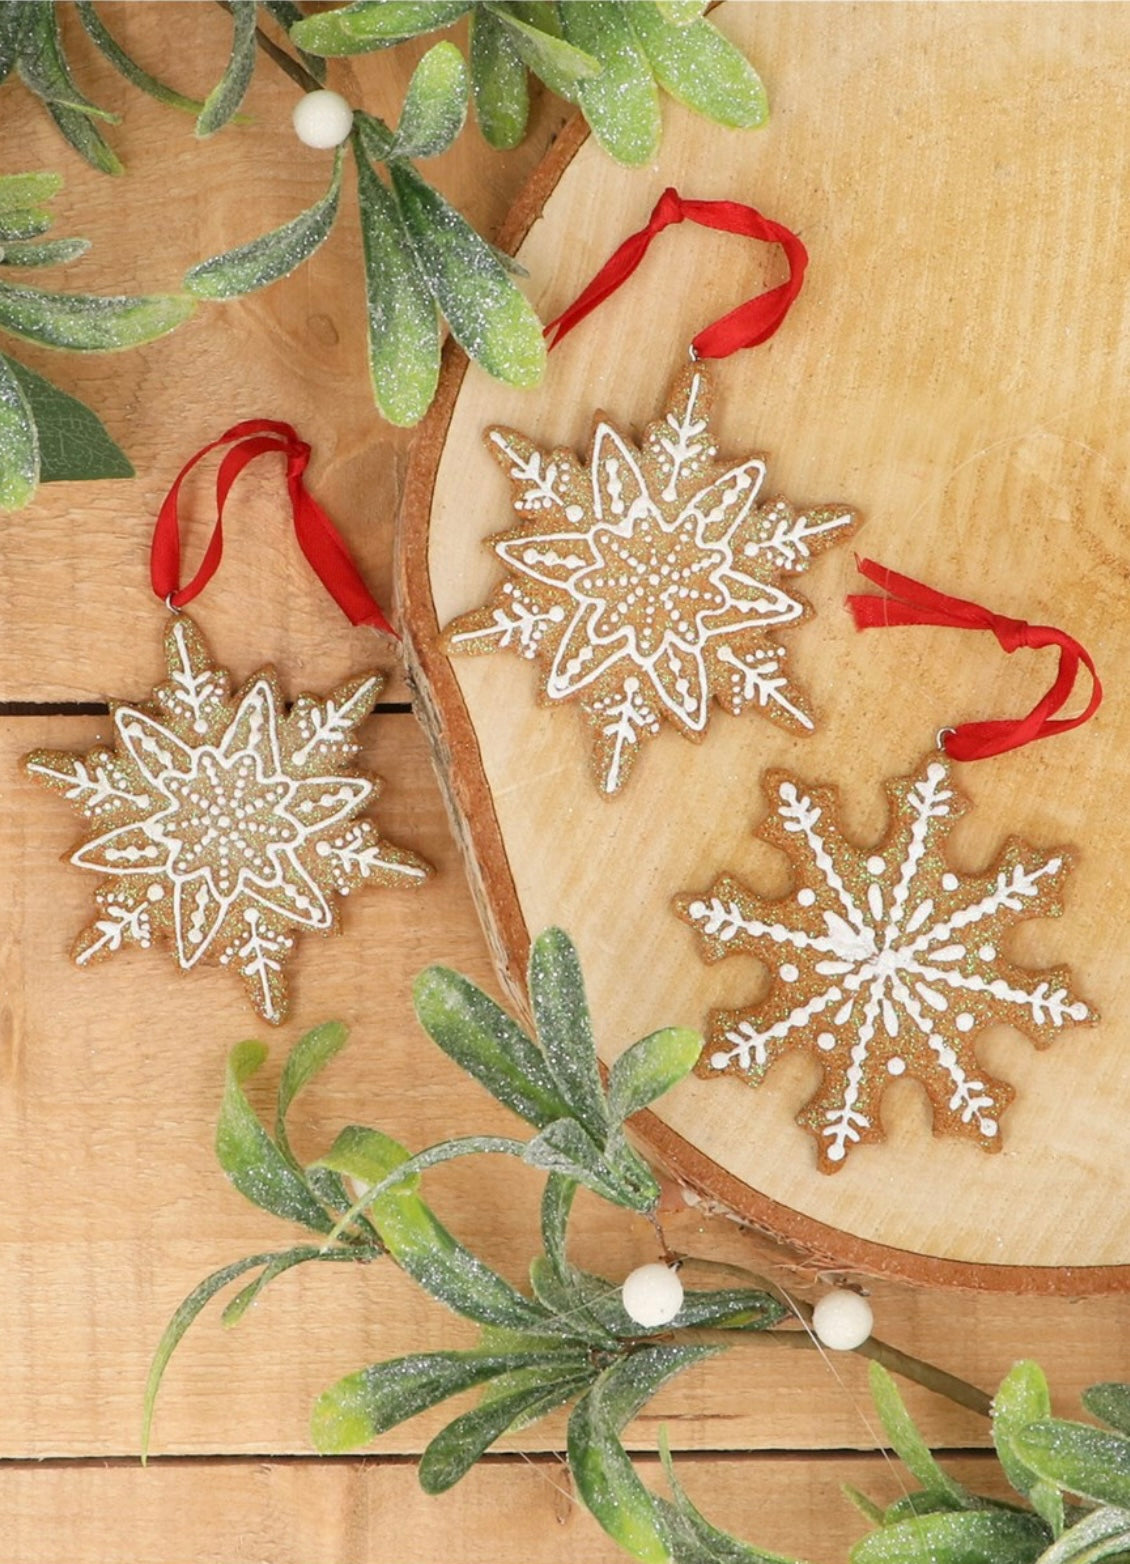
(110, 1079)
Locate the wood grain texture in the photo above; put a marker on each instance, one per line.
(913, 381)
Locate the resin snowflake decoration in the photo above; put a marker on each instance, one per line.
(224, 824)
(648, 581)
(885, 962)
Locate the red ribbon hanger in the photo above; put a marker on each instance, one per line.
(910, 602)
(744, 327)
(317, 536)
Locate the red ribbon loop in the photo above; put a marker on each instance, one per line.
(744, 327)
(317, 536)
(912, 603)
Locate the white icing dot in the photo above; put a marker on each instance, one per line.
(806, 897)
(652, 1294)
(322, 119)
(826, 1040)
(876, 865)
(842, 1320)
(788, 973)
(574, 513)
(965, 1022)
(836, 1153)
(896, 1066)
(988, 952)
(950, 882)
(200, 726)
(989, 1128)
(719, 1061)
(155, 892)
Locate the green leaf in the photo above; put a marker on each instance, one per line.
(310, 1054)
(404, 344)
(53, 252)
(127, 66)
(1083, 1460)
(454, 1450)
(696, 1540)
(273, 255)
(84, 323)
(19, 442)
(681, 13)
(1021, 1399)
(286, 1261)
(631, 1172)
(73, 443)
(649, 1068)
(435, 106)
(482, 1039)
(373, 1400)
(43, 66)
(601, 1467)
(489, 316)
(1110, 1403)
(498, 82)
(19, 192)
(558, 1384)
(865, 1506)
(560, 64)
(288, 15)
(249, 1157)
(564, 1148)
(908, 1443)
(18, 226)
(556, 1204)
(376, 137)
(622, 103)
(182, 1319)
(374, 24)
(1104, 1534)
(956, 1537)
(701, 68)
(231, 89)
(561, 1012)
(564, 1299)
(370, 1156)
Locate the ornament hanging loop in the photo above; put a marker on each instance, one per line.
(910, 602)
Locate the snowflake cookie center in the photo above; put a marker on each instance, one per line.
(663, 576)
(225, 818)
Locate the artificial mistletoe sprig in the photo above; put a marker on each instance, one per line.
(572, 1340)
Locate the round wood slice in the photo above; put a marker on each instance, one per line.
(957, 369)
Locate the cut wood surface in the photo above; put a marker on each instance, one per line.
(110, 1079)
(949, 372)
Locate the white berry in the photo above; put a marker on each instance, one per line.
(652, 1294)
(322, 119)
(842, 1320)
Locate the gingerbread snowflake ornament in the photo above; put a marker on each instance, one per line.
(648, 580)
(885, 961)
(223, 825)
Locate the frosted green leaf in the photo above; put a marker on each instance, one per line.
(376, 138)
(404, 345)
(1104, 1534)
(1109, 1402)
(564, 1148)
(238, 1307)
(17, 225)
(371, 1401)
(273, 255)
(956, 1537)
(43, 66)
(601, 1468)
(1022, 1399)
(73, 443)
(435, 105)
(288, 15)
(559, 63)
(680, 13)
(231, 89)
(557, 997)
(483, 1040)
(52, 252)
(1083, 1460)
(454, 1450)
(909, 1444)
(18, 192)
(489, 316)
(556, 1204)
(374, 24)
(127, 66)
(85, 323)
(649, 1068)
(696, 1540)
(622, 103)
(701, 68)
(249, 1157)
(19, 443)
(498, 82)
(310, 1055)
(563, 1298)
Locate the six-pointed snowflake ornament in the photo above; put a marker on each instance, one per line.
(225, 824)
(885, 961)
(647, 581)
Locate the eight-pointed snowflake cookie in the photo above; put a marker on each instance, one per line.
(648, 580)
(885, 962)
(223, 824)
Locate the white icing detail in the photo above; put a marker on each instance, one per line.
(965, 1022)
(895, 1065)
(788, 973)
(826, 1041)
(876, 865)
(331, 724)
(950, 882)
(806, 896)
